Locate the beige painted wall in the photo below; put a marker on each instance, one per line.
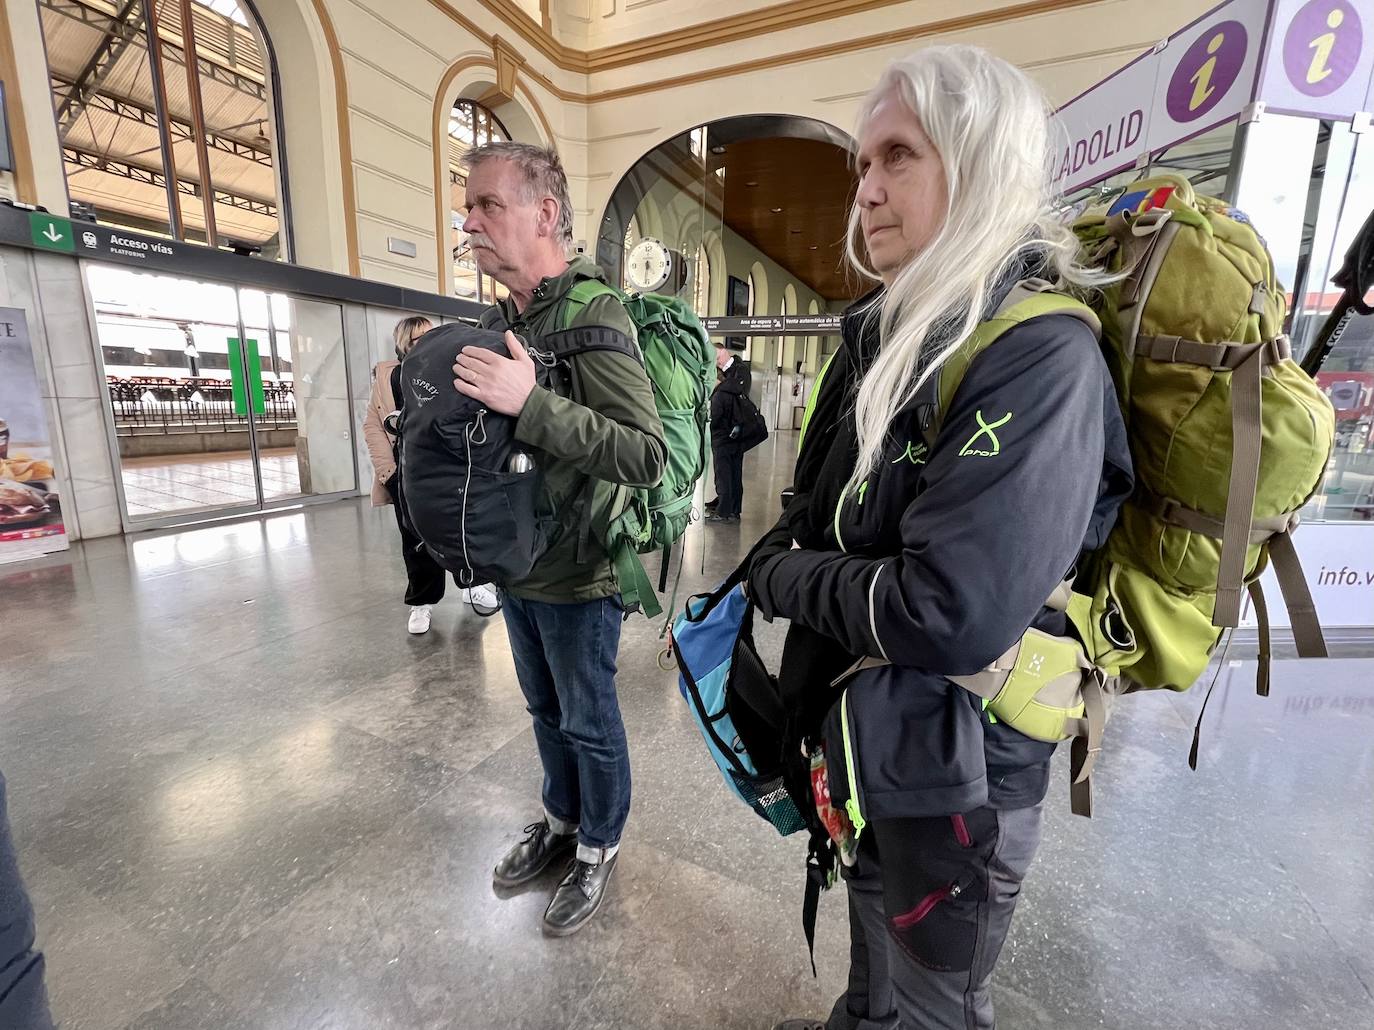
(395, 56)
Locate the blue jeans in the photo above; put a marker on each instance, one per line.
(23, 1000)
(565, 659)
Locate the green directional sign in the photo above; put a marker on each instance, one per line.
(254, 377)
(51, 232)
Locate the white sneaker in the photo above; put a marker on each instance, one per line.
(419, 618)
(483, 599)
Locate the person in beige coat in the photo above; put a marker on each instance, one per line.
(424, 576)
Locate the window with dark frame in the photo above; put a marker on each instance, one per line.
(166, 114)
(469, 125)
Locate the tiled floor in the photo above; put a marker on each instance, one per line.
(246, 799)
(159, 486)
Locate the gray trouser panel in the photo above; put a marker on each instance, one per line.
(930, 905)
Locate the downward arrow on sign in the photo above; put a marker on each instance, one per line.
(51, 233)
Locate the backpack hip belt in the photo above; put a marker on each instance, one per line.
(1046, 687)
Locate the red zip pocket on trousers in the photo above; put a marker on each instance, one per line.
(961, 833)
(924, 907)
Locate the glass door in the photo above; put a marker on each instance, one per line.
(222, 400)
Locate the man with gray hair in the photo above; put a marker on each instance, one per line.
(593, 433)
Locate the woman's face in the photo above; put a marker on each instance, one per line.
(902, 188)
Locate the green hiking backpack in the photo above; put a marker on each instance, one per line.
(1229, 438)
(680, 363)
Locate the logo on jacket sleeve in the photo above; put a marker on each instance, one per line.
(984, 443)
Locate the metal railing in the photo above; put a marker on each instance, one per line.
(152, 404)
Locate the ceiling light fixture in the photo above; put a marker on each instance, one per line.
(751, 183)
(719, 148)
(777, 210)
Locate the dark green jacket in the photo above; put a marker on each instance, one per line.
(588, 448)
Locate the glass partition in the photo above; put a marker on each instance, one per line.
(222, 399)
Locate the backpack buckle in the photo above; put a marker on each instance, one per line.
(1150, 222)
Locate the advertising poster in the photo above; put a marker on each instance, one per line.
(1339, 566)
(30, 509)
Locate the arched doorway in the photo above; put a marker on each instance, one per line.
(751, 211)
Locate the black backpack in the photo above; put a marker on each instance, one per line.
(471, 491)
(753, 428)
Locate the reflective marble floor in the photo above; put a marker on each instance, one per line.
(158, 486)
(246, 799)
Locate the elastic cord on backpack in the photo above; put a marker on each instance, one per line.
(466, 577)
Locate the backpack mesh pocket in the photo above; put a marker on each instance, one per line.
(767, 796)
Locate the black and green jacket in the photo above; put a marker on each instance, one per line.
(943, 557)
(609, 437)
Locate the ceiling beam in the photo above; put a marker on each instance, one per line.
(134, 111)
(209, 67)
(154, 177)
(118, 33)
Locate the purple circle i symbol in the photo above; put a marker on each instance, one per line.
(1207, 70)
(1322, 47)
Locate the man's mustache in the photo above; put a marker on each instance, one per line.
(480, 239)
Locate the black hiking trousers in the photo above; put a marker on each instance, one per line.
(930, 904)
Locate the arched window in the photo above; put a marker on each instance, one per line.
(169, 126)
(469, 125)
(753, 294)
(701, 282)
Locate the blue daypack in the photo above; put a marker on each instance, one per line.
(723, 681)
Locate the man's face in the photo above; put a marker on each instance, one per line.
(502, 226)
(722, 358)
(903, 192)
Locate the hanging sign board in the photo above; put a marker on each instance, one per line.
(772, 325)
(1320, 59)
(1198, 78)
(30, 509)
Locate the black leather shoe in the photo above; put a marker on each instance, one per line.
(532, 855)
(578, 897)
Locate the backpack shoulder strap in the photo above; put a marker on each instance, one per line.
(1027, 300)
(582, 294)
(397, 397)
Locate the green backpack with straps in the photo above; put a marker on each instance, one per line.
(680, 362)
(1229, 438)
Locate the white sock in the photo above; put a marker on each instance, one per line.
(595, 856)
(559, 827)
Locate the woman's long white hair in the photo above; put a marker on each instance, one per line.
(990, 126)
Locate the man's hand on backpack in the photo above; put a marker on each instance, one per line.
(502, 384)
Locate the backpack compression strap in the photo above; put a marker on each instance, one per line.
(568, 343)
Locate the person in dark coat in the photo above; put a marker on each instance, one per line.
(933, 555)
(726, 426)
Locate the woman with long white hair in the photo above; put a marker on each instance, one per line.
(928, 528)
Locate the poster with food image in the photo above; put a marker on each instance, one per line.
(30, 508)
